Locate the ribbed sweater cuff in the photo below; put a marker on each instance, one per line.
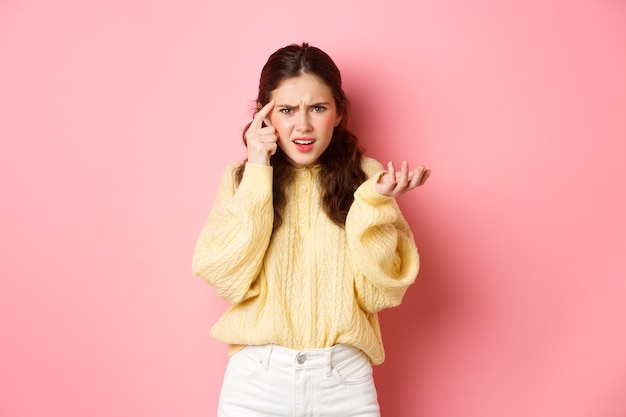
(367, 191)
(257, 177)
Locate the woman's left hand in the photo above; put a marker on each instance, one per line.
(393, 183)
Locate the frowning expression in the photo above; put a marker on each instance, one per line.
(304, 116)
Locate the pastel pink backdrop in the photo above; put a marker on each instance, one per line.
(116, 118)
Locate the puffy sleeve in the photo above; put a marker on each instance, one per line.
(381, 245)
(230, 249)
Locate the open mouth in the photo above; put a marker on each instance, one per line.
(304, 145)
(304, 141)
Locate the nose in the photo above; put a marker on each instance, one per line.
(304, 122)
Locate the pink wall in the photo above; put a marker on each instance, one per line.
(116, 118)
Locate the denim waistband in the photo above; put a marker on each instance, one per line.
(276, 355)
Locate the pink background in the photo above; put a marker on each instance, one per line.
(116, 118)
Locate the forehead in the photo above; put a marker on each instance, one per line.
(304, 87)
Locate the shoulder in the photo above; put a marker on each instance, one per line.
(229, 173)
(370, 166)
(231, 168)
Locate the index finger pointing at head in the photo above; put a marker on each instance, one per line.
(257, 121)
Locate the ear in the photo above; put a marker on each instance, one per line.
(338, 119)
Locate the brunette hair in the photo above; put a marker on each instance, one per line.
(341, 171)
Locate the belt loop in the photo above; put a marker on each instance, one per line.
(266, 362)
(328, 364)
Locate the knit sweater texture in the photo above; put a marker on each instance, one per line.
(310, 283)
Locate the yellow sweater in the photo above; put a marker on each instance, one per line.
(310, 284)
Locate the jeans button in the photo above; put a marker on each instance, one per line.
(301, 358)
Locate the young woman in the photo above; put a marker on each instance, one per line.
(307, 243)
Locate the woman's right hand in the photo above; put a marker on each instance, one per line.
(261, 141)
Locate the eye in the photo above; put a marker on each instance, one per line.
(318, 109)
(286, 110)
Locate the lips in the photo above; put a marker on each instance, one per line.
(304, 144)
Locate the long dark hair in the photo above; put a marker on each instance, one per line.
(341, 172)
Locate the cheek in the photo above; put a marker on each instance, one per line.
(283, 128)
(279, 124)
(330, 125)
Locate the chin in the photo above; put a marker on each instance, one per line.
(304, 162)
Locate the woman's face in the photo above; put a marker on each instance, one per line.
(304, 116)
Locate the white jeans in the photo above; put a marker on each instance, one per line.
(269, 380)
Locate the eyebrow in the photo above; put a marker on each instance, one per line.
(321, 103)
